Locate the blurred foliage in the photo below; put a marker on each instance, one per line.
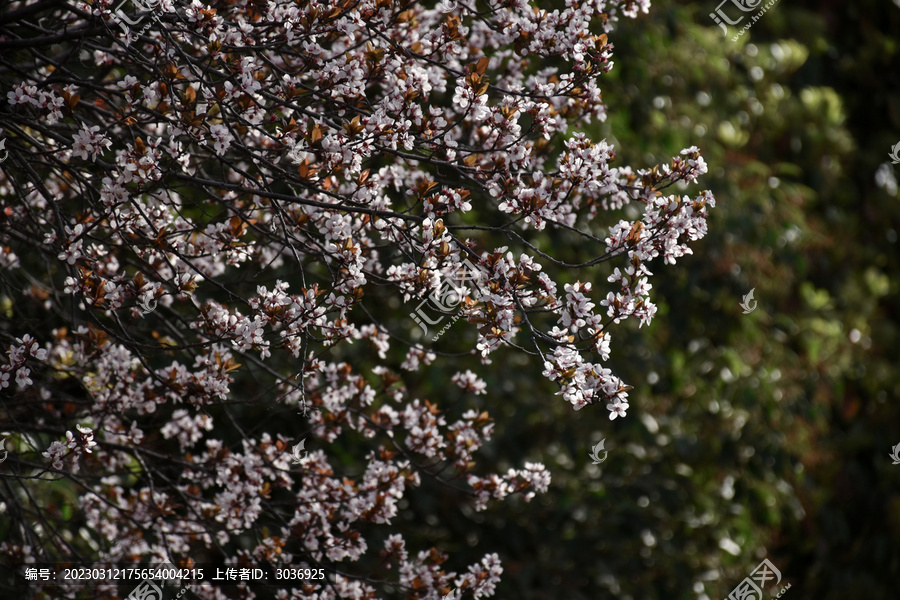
(749, 436)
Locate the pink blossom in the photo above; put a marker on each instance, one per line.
(89, 142)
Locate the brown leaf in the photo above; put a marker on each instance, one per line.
(315, 135)
(482, 65)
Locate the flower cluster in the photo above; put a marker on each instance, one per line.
(75, 444)
(25, 350)
(281, 178)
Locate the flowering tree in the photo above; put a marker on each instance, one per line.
(208, 208)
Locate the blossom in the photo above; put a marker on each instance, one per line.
(222, 137)
(470, 382)
(55, 454)
(83, 440)
(22, 379)
(22, 94)
(73, 245)
(89, 142)
(616, 408)
(87, 438)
